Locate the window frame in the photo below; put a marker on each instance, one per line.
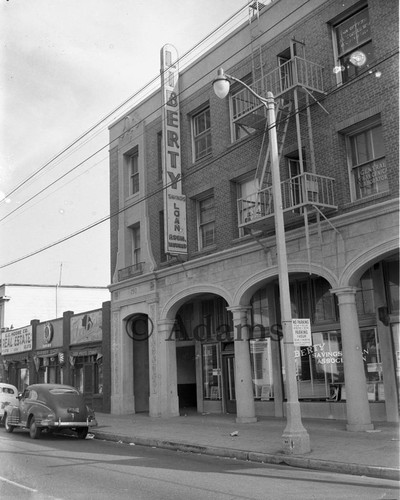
(340, 56)
(200, 135)
(377, 186)
(135, 245)
(240, 183)
(200, 224)
(133, 173)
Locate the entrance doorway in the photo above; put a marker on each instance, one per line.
(228, 377)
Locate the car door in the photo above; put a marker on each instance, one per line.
(24, 406)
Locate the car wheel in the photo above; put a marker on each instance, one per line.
(82, 432)
(34, 430)
(8, 427)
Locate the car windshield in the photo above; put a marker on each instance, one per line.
(64, 390)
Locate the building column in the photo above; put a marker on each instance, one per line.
(164, 400)
(386, 346)
(357, 405)
(245, 408)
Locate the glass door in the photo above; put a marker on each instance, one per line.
(228, 368)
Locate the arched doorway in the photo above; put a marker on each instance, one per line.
(139, 327)
(203, 330)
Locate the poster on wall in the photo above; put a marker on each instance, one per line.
(87, 327)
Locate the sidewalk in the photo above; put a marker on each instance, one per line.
(374, 453)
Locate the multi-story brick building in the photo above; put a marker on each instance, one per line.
(194, 263)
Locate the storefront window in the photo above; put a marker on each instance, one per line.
(260, 309)
(392, 274)
(78, 378)
(396, 348)
(261, 369)
(365, 295)
(372, 364)
(311, 298)
(98, 378)
(88, 374)
(211, 371)
(320, 367)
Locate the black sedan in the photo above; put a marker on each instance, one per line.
(50, 407)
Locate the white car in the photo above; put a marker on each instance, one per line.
(8, 396)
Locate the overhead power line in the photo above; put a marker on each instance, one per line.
(115, 110)
(188, 174)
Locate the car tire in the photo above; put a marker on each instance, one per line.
(34, 430)
(82, 432)
(7, 426)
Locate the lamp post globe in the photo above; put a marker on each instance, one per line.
(221, 84)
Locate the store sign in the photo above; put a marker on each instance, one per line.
(87, 327)
(14, 341)
(302, 332)
(174, 200)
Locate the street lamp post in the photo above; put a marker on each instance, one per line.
(295, 438)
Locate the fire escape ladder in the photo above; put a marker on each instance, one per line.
(283, 113)
(255, 34)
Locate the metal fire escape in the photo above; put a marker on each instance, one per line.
(295, 83)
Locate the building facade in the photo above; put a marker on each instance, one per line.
(195, 310)
(73, 349)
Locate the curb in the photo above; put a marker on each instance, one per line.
(252, 456)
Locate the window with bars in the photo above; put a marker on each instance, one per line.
(201, 131)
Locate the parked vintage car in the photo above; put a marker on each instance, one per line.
(8, 396)
(51, 407)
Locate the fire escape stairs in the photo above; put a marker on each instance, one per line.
(263, 171)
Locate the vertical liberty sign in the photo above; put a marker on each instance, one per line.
(174, 201)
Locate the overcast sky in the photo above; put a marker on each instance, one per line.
(65, 64)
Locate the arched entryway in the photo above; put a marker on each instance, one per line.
(139, 327)
(204, 354)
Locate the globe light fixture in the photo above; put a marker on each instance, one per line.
(221, 84)
(295, 439)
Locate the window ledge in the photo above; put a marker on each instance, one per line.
(205, 251)
(367, 199)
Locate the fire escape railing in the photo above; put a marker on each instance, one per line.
(303, 190)
(293, 73)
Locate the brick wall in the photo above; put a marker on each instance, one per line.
(230, 161)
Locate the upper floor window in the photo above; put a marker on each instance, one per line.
(134, 173)
(206, 221)
(201, 132)
(366, 157)
(248, 201)
(353, 45)
(135, 232)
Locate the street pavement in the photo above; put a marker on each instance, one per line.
(333, 448)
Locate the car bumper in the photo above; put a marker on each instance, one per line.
(67, 425)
